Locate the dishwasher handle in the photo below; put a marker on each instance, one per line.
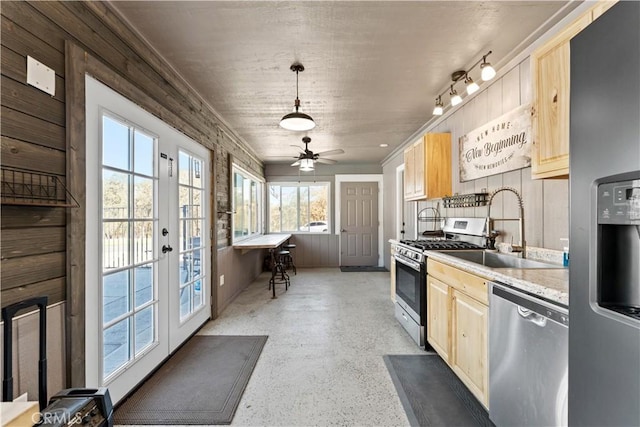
(532, 316)
(530, 307)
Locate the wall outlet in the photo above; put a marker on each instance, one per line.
(222, 280)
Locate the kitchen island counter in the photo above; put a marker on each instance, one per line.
(551, 284)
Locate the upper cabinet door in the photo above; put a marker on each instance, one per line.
(551, 82)
(427, 168)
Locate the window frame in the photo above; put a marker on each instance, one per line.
(299, 184)
(260, 182)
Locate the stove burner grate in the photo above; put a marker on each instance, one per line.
(438, 245)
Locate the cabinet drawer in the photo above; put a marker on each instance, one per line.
(472, 285)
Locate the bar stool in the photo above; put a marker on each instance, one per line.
(288, 259)
(279, 270)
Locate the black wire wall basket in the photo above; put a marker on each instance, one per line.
(28, 188)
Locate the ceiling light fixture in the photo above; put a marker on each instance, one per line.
(487, 72)
(455, 98)
(439, 108)
(297, 120)
(472, 87)
(306, 165)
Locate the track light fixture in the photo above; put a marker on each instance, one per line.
(455, 98)
(487, 73)
(439, 108)
(297, 120)
(472, 87)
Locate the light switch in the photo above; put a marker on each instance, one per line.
(41, 76)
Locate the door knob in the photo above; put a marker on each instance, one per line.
(343, 230)
(165, 231)
(166, 248)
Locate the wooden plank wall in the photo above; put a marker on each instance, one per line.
(316, 250)
(546, 202)
(33, 127)
(33, 132)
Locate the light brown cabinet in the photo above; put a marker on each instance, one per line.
(457, 324)
(550, 71)
(469, 353)
(427, 168)
(438, 316)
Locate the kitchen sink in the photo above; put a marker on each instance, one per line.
(498, 260)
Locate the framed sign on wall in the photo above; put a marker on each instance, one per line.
(502, 145)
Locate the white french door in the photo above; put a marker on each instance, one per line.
(148, 275)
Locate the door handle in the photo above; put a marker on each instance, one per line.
(343, 231)
(166, 248)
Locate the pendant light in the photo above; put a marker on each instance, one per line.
(297, 120)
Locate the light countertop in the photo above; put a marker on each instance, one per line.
(263, 241)
(551, 284)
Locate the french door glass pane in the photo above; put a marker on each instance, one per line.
(143, 153)
(115, 295)
(143, 197)
(143, 241)
(115, 244)
(116, 346)
(144, 328)
(143, 284)
(115, 144)
(115, 194)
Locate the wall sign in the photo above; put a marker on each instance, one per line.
(502, 145)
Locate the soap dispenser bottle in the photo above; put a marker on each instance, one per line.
(565, 252)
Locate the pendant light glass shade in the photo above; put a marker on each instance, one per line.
(306, 165)
(472, 87)
(455, 98)
(487, 72)
(297, 120)
(439, 108)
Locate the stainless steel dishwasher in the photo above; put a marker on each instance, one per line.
(528, 359)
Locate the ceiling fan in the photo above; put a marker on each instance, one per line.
(308, 157)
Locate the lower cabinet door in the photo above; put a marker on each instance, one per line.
(469, 345)
(438, 308)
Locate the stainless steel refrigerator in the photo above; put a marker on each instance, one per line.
(604, 291)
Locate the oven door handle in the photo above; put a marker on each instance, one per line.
(411, 264)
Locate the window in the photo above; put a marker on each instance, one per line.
(247, 204)
(299, 207)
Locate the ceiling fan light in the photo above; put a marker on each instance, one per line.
(306, 165)
(297, 121)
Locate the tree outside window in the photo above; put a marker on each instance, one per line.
(299, 207)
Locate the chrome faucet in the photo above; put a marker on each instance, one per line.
(520, 247)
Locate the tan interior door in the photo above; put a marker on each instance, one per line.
(359, 223)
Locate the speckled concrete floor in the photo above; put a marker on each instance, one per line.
(322, 363)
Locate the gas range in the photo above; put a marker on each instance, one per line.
(458, 234)
(440, 245)
(411, 269)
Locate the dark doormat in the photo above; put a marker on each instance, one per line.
(346, 269)
(202, 383)
(431, 393)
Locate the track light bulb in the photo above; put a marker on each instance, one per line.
(455, 98)
(487, 70)
(472, 87)
(439, 108)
